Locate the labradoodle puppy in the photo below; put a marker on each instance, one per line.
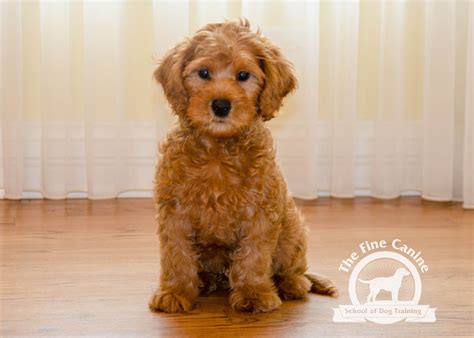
(225, 217)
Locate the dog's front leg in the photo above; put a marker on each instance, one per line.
(250, 273)
(179, 279)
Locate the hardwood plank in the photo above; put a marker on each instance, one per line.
(81, 267)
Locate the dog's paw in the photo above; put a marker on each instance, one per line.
(293, 287)
(251, 301)
(170, 302)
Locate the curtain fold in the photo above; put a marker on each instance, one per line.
(343, 32)
(387, 162)
(12, 93)
(384, 106)
(438, 101)
(468, 184)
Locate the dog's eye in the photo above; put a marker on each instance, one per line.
(204, 74)
(242, 76)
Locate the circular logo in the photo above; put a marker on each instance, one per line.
(400, 284)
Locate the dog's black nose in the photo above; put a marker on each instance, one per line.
(221, 107)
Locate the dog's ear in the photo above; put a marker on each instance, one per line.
(280, 80)
(170, 75)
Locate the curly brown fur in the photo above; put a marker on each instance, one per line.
(224, 214)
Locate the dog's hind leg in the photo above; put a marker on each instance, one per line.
(289, 263)
(395, 295)
(211, 282)
(374, 292)
(369, 297)
(213, 263)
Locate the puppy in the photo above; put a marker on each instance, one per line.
(224, 214)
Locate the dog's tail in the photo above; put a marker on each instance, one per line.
(321, 285)
(364, 281)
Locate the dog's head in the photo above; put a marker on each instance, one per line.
(402, 272)
(224, 78)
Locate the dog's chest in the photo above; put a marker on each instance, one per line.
(219, 197)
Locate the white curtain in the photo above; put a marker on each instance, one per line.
(384, 106)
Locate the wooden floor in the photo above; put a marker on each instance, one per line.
(82, 267)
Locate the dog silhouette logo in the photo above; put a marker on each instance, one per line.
(391, 284)
(384, 287)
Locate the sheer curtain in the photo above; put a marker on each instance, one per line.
(384, 106)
